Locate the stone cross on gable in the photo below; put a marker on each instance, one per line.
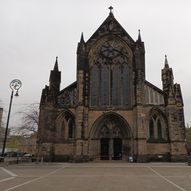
(111, 9)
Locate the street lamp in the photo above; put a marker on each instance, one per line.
(15, 86)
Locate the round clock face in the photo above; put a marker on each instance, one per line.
(110, 49)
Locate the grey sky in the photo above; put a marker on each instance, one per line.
(34, 32)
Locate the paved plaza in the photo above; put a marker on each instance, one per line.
(96, 176)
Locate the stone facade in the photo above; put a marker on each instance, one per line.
(112, 112)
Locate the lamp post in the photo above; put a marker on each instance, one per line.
(15, 86)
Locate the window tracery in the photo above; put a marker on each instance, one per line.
(67, 98)
(105, 132)
(109, 76)
(65, 126)
(157, 128)
(116, 132)
(110, 130)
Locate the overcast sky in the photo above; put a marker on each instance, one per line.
(34, 32)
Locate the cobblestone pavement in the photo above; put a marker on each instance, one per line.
(96, 176)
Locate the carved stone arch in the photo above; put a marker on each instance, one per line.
(157, 126)
(112, 122)
(63, 121)
(111, 137)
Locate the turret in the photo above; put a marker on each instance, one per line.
(81, 54)
(139, 68)
(167, 76)
(175, 113)
(168, 83)
(140, 60)
(139, 36)
(55, 79)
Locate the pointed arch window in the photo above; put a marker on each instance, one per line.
(110, 75)
(71, 128)
(157, 128)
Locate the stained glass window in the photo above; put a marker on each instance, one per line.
(157, 128)
(104, 90)
(125, 82)
(94, 85)
(116, 85)
(109, 76)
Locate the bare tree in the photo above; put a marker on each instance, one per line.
(1, 115)
(29, 120)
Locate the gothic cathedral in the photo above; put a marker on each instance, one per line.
(111, 111)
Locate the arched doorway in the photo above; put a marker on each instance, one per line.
(117, 149)
(111, 133)
(104, 148)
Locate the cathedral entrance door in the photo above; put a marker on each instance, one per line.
(117, 149)
(104, 143)
(112, 136)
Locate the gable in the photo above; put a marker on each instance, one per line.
(110, 27)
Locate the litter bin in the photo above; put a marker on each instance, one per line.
(130, 159)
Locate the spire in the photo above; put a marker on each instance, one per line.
(111, 10)
(55, 78)
(139, 36)
(82, 38)
(166, 62)
(56, 64)
(81, 44)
